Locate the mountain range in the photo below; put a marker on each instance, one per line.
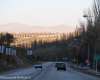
(18, 28)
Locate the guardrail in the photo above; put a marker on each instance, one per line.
(87, 69)
(94, 72)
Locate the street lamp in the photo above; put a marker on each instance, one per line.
(91, 32)
(83, 44)
(55, 55)
(70, 45)
(98, 19)
(49, 56)
(70, 54)
(1, 51)
(77, 48)
(80, 45)
(87, 16)
(77, 53)
(44, 57)
(77, 45)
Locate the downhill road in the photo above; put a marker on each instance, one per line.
(48, 72)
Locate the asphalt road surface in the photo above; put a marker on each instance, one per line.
(48, 72)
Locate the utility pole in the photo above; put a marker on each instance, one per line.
(88, 50)
(94, 54)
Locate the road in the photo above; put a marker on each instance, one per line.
(48, 72)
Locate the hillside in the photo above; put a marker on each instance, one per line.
(17, 27)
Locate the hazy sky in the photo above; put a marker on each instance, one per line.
(43, 12)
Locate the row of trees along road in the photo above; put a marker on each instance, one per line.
(90, 34)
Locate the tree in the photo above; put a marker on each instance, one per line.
(8, 38)
(2, 35)
(40, 43)
(35, 44)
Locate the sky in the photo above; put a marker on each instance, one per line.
(43, 12)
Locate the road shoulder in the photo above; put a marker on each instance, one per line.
(71, 65)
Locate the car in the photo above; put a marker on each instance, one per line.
(61, 66)
(56, 65)
(38, 65)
